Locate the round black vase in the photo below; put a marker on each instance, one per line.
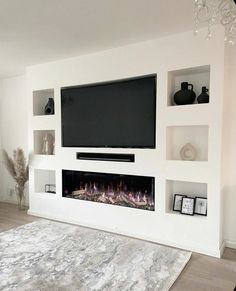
(49, 108)
(185, 96)
(203, 97)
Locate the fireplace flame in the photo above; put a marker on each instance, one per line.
(112, 194)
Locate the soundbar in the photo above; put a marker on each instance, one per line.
(106, 157)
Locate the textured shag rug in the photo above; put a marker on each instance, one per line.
(47, 255)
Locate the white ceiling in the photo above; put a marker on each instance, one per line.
(38, 31)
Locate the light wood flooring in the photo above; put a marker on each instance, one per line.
(11, 217)
(201, 273)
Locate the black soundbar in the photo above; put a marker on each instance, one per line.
(106, 157)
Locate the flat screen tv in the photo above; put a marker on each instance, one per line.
(118, 114)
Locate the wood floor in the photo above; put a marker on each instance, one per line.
(201, 273)
(11, 217)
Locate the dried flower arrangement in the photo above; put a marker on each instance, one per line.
(18, 169)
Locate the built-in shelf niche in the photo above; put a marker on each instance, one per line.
(198, 76)
(190, 189)
(40, 99)
(43, 178)
(39, 136)
(178, 136)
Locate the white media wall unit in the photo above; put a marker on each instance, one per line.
(173, 60)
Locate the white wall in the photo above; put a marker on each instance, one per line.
(160, 56)
(13, 127)
(229, 153)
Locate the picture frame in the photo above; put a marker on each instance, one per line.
(200, 206)
(188, 206)
(177, 202)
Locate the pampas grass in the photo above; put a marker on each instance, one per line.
(18, 169)
(16, 166)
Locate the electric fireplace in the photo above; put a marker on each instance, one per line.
(123, 190)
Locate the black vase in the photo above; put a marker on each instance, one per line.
(203, 97)
(185, 95)
(49, 108)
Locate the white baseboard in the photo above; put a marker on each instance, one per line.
(11, 202)
(230, 244)
(8, 201)
(193, 248)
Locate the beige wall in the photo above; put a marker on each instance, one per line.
(13, 127)
(229, 153)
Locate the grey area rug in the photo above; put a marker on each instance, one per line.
(47, 255)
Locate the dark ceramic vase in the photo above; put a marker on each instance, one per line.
(203, 97)
(49, 108)
(185, 95)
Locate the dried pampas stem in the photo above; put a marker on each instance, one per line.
(18, 170)
(9, 164)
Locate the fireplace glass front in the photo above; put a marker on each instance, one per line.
(123, 190)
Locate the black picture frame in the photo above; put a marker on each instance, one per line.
(183, 206)
(204, 213)
(175, 201)
(50, 188)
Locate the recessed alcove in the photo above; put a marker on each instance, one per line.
(190, 189)
(197, 76)
(40, 99)
(178, 136)
(42, 180)
(39, 136)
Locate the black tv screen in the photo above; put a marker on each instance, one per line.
(113, 114)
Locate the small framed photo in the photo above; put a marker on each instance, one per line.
(187, 206)
(178, 202)
(200, 206)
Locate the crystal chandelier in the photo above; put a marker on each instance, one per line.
(215, 11)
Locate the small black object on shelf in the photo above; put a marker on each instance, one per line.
(50, 188)
(186, 95)
(203, 97)
(49, 108)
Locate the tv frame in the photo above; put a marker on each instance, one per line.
(111, 82)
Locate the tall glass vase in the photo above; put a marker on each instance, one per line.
(20, 194)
